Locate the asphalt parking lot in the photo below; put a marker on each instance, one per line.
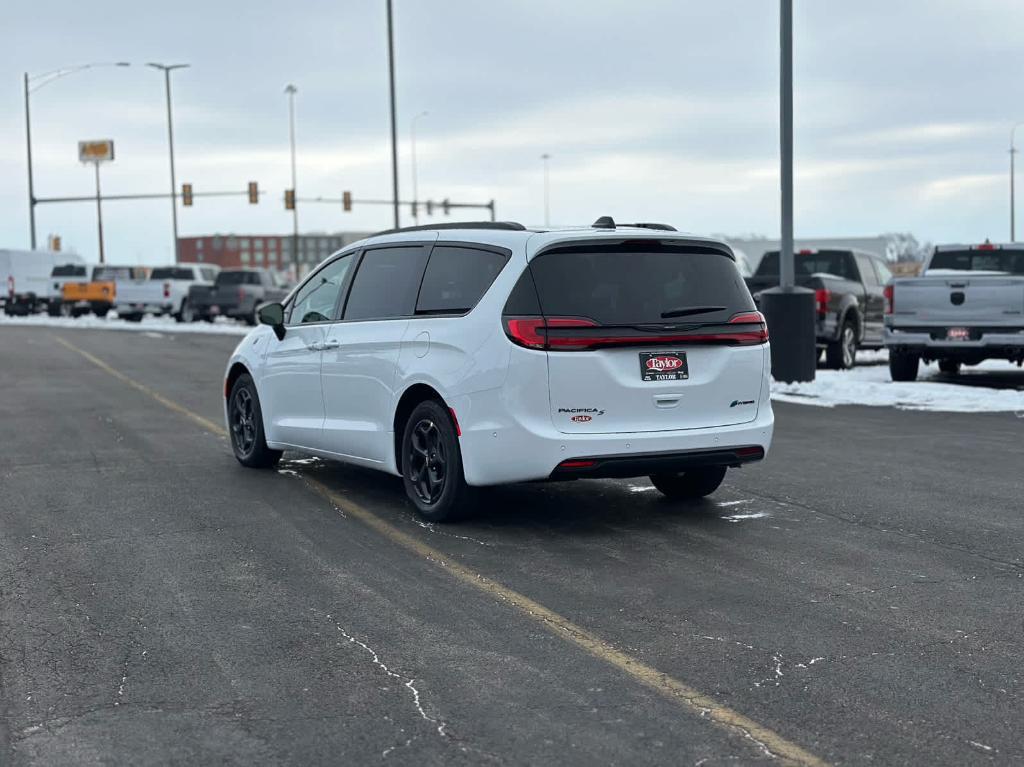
(856, 599)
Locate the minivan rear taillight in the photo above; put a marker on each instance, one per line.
(888, 292)
(580, 333)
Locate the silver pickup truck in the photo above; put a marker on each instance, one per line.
(966, 307)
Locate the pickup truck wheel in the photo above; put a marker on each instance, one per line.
(949, 367)
(689, 484)
(245, 417)
(101, 311)
(186, 313)
(903, 366)
(54, 309)
(432, 465)
(841, 354)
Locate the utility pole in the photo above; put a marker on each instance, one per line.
(1013, 205)
(547, 190)
(291, 90)
(394, 129)
(167, 69)
(788, 309)
(31, 187)
(99, 210)
(415, 184)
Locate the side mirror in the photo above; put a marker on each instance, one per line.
(273, 314)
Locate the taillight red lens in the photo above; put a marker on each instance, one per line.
(526, 331)
(887, 291)
(10, 285)
(576, 463)
(986, 246)
(167, 290)
(822, 298)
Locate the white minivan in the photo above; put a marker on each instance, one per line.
(464, 355)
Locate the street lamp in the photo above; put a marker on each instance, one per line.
(167, 69)
(1013, 151)
(415, 186)
(33, 83)
(547, 190)
(291, 90)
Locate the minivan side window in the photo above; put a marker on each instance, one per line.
(316, 300)
(456, 278)
(386, 283)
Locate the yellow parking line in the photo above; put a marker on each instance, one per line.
(697, 702)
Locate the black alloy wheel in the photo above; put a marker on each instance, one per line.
(246, 421)
(431, 465)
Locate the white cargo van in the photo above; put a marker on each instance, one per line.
(25, 278)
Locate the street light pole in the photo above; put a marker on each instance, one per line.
(291, 90)
(415, 185)
(45, 79)
(547, 190)
(394, 129)
(99, 211)
(1013, 206)
(167, 68)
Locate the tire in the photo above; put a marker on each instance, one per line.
(432, 465)
(841, 354)
(101, 311)
(54, 309)
(185, 313)
(245, 422)
(949, 367)
(903, 366)
(689, 484)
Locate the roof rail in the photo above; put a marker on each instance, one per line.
(508, 226)
(659, 227)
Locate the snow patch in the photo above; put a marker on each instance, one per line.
(147, 325)
(871, 385)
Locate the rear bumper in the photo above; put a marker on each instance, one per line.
(981, 345)
(645, 464)
(506, 449)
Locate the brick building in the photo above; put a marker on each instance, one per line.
(272, 251)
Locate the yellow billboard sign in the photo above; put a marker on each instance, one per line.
(96, 151)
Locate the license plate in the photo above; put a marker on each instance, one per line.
(958, 334)
(663, 366)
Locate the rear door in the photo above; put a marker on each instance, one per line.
(646, 336)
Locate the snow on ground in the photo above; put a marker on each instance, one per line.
(149, 324)
(870, 384)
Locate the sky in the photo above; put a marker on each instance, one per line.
(660, 110)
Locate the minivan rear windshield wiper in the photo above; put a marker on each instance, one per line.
(686, 311)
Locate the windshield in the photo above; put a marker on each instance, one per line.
(626, 284)
(805, 264)
(237, 278)
(1010, 261)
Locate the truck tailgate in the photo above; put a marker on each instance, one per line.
(959, 300)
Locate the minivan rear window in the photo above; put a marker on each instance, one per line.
(1010, 261)
(626, 284)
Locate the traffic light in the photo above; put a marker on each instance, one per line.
(430, 207)
(346, 201)
(447, 206)
(289, 199)
(254, 193)
(186, 195)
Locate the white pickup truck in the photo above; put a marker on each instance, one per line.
(165, 292)
(966, 307)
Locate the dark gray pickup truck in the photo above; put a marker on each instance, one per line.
(848, 287)
(236, 293)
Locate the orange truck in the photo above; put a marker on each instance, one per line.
(98, 294)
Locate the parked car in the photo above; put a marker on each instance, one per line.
(164, 292)
(26, 278)
(236, 293)
(60, 276)
(848, 287)
(98, 294)
(476, 354)
(967, 307)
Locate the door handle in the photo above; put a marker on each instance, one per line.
(334, 343)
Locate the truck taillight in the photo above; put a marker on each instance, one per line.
(241, 295)
(167, 290)
(887, 291)
(10, 285)
(822, 296)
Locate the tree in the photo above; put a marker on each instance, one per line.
(903, 247)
